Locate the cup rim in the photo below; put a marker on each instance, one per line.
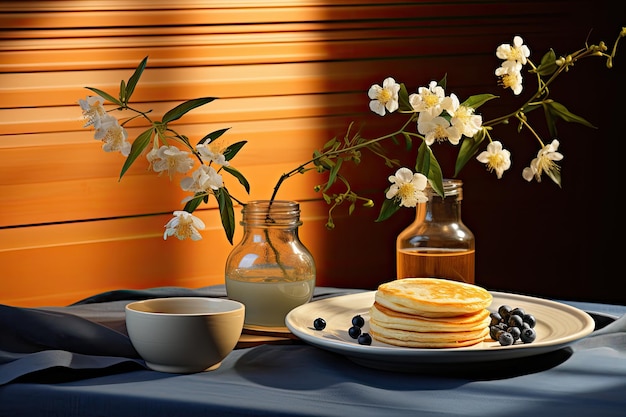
(233, 306)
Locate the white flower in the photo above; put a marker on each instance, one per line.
(437, 129)
(496, 158)
(184, 225)
(203, 179)
(93, 110)
(518, 52)
(209, 152)
(407, 187)
(462, 117)
(544, 162)
(385, 97)
(428, 99)
(170, 159)
(510, 73)
(113, 136)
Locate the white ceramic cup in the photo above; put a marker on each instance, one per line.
(184, 334)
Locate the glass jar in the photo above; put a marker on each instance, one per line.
(270, 271)
(437, 244)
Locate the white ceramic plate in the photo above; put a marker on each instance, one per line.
(557, 326)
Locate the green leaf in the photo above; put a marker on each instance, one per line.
(321, 161)
(195, 202)
(548, 64)
(427, 164)
(213, 135)
(183, 108)
(132, 81)
(227, 213)
(105, 96)
(242, 180)
(404, 105)
(550, 121)
(137, 148)
(123, 93)
(422, 163)
(560, 111)
(478, 100)
(330, 143)
(469, 148)
(332, 177)
(435, 178)
(387, 210)
(232, 150)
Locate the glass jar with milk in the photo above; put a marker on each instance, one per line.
(270, 271)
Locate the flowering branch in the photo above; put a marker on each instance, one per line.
(443, 118)
(164, 156)
(439, 119)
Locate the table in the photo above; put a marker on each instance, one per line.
(290, 378)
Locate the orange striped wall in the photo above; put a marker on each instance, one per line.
(289, 75)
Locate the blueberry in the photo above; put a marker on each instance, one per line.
(493, 330)
(505, 339)
(515, 321)
(508, 325)
(354, 332)
(528, 335)
(319, 323)
(365, 339)
(504, 311)
(518, 311)
(358, 321)
(498, 333)
(529, 319)
(495, 318)
(502, 326)
(515, 331)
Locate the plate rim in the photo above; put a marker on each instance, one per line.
(367, 354)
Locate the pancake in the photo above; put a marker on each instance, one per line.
(405, 338)
(403, 321)
(432, 297)
(430, 313)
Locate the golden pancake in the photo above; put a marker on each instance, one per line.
(432, 297)
(405, 339)
(402, 321)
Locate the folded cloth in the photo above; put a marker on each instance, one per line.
(613, 334)
(89, 334)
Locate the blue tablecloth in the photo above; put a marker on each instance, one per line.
(77, 361)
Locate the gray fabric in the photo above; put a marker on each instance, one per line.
(89, 334)
(63, 374)
(301, 380)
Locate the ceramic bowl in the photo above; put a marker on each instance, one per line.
(184, 334)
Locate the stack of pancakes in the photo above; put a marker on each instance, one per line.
(430, 313)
